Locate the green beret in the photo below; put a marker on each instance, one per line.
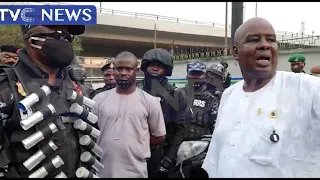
(297, 58)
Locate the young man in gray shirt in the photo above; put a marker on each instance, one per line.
(129, 120)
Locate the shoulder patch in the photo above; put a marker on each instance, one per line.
(21, 90)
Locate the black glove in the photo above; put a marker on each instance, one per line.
(165, 166)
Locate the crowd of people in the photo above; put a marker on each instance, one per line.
(52, 125)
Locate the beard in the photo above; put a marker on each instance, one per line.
(124, 84)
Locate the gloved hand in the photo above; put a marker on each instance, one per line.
(165, 166)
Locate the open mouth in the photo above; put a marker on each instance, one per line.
(263, 57)
(263, 60)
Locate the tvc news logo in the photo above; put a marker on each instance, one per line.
(48, 14)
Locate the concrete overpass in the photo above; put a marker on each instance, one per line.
(117, 31)
(138, 32)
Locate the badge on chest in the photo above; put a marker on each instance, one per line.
(199, 103)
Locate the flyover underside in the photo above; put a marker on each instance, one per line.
(108, 41)
(149, 36)
(116, 40)
(94, 47)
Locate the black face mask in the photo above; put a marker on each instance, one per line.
(197, 83)
(150, 76)
(60, 53)
(124, 84)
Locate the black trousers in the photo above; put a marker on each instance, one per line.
(154, 162)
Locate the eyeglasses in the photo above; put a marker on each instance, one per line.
(59, 35)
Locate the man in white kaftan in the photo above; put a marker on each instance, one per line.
(288, 105)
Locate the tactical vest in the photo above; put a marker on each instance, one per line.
(199, 115)
(167, 110)
(49, 148)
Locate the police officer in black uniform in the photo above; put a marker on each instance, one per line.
(43, 121)
(202, 105)
(109, 80)
(8, 55)
(156, 65)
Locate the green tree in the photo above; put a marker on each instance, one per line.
(11, 34)
(77, 46)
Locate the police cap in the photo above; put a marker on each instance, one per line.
(107, 66)
(196, 66)
(9, 48)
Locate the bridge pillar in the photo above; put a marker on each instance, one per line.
(236, 17)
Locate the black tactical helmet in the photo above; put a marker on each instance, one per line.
(160, 55)
(216, 69)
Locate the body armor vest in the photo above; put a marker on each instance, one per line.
(44, 141)
(200, 116)
(167, 110)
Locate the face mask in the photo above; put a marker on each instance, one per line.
(196, 82)
(150, 76)
(124, 84)
(60, 53)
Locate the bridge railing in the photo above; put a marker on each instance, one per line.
(143, 15)
(167, 18)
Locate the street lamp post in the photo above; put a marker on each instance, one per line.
(236, 17)
(256, 12)
(226, 32)
(155, 36)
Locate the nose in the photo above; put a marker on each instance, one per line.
(264, 44)
(123, 72)
(154, 68)
(111, 77)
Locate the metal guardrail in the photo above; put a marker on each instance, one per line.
(143, 15)
(167, 18)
